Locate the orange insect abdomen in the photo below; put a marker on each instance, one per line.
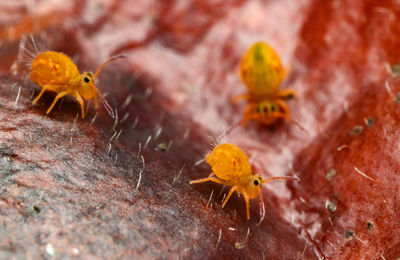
(54, 68)
(229, 163)
(261, 70)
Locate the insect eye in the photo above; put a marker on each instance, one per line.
(86, 79)
(256, 182)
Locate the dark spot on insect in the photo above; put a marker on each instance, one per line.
(234, 162)
(369, 121)
(86, 79)
(161, 147)
(258, 109)
(273, 108)
(370, 225)
(357, 130)
(256, 182)
(36, 209)
(330, 206)
(349, 234)
(330, 174)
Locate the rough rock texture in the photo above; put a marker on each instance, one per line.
(108, 188)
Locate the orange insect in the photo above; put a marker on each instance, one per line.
(231, 167)
(56, 72)
(262, 72)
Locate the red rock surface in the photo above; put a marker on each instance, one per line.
(69, 186)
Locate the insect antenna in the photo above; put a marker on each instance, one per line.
(105, 103)
(280, 178)
(108, 61)
(294, 122)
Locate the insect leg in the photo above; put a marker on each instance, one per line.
(40, 94)
(246, 198)
(60, 95)
(80, 100)
(285, 109)
(96, 102)
(234, 188)
(248, 114)
(286, 115)
(281, 115)
(287, 94)
(237, 98)
(249, 117)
